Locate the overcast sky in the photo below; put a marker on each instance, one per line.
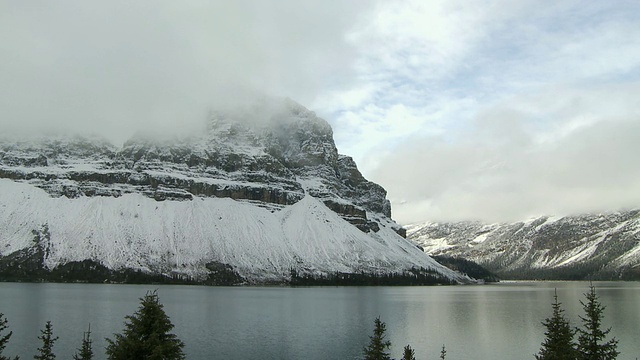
(492, 110)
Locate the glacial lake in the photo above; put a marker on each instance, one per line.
(499, 321)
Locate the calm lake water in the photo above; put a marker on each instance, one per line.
(474, 322)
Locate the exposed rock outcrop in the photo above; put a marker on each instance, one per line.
(162, 206)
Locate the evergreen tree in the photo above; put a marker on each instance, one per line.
(591, 338)
(86, 353)
(46, 351)
(409, 353)
(146, 335)
(443, 353)
(4, 339)
(558, 343)
(378, 345)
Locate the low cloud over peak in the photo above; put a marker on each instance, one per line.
(496, 110)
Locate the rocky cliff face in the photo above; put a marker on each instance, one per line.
(600, 246)
(267, 157)
(275, 158)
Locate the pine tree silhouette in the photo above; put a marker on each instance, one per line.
(591, 338)
(46, 351)
(86, 353)
(4, 339)
(378, 345)
(443, 353)
(409, 353)
(558, 343)
(146, 335)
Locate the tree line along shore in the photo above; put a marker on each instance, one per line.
(147, 335)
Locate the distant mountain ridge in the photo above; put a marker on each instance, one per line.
(596, 246)
(262, 191)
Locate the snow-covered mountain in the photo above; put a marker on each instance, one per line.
(604, 246)
(262, 191)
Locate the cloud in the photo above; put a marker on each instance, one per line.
(113, 67)
(480, 110)
(495, 110)
(508, 166)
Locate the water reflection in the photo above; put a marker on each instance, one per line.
(475, 322)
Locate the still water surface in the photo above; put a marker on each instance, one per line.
(474, 322)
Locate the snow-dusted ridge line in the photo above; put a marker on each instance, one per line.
(603, 246)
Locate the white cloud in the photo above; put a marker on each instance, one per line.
(478, 104)
(500, 171)
(495, 109)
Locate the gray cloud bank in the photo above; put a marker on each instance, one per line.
(114, 67)
(507, 166)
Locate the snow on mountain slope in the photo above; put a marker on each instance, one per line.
(263, 190)
(600, 245)
(134, 231)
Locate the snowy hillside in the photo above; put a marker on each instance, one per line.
(603, 246)
(264, 191)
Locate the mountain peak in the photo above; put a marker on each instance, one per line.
(224, 195)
